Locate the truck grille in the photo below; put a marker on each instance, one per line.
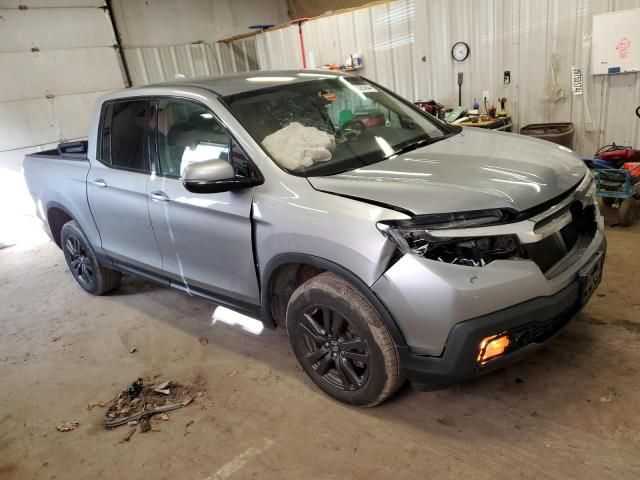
(550, 250)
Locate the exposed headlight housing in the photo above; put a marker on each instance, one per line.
(414, 237)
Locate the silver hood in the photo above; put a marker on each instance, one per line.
(476, 169)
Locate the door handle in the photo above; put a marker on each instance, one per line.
(98, 182)
(159, 196)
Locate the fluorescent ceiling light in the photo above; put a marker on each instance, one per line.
(270, 79)
(317, 75)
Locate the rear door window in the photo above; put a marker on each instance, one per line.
(127, 134)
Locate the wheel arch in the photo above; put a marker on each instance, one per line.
(57, 215)
(286, 271)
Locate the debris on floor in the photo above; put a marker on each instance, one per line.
(609, 396)
(162, 388)
(144, 425)
(96, 404)
(187, 426)
(68, 426)
(55, 339)
(133, 350)
(203, 340)
(137, 403)
(129, 434)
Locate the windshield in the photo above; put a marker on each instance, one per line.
(331, 125)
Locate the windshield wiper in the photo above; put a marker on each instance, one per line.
(417, 144)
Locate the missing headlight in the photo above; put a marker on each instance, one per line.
(472, 252)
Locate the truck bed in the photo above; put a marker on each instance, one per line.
(68, 150)
(57, 181)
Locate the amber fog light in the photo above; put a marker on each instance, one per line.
(492, 347)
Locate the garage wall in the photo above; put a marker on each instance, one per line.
(163, 37)
(279, 49)
(522, 36)
(56, 58)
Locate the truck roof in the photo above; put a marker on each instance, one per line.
(231, 84)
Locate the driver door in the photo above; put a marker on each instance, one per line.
(204, 239)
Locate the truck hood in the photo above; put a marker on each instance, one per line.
(473, 170)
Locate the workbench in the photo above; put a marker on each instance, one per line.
(495, 123)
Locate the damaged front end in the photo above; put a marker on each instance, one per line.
(419, 237)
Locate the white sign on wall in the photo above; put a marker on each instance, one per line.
(576, 80)
(616, 42)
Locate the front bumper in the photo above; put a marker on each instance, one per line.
(428, 298)
(533, 322)
(529, 325)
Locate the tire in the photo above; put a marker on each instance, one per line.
(341, 342)
(627, 212)
(83, 265)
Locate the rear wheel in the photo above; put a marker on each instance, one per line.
(627, 212)
(341, 343)
(90, 275)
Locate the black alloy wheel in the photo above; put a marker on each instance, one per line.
(80, 263)
(334, 349)
(341, 342)
(93, 277)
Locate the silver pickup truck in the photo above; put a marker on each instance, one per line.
(390, 245)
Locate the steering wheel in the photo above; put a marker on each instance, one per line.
(355, 127)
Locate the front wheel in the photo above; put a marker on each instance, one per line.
(341, 342)
(90, 275)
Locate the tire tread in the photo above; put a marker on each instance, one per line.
(394, 375)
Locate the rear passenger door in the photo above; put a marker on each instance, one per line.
(117, 183)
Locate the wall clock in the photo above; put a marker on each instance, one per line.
(460, 51)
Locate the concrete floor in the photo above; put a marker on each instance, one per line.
(569, 411)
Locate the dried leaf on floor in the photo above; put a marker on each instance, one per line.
(68, 426)
(203, 340)
(164, 417)
(96, 404)
(55, 339)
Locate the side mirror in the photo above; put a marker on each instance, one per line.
(214, 176)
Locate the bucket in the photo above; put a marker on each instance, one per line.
(560, 133)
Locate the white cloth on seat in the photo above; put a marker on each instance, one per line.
(296, 146)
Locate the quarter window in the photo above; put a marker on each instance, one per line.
(127, 129)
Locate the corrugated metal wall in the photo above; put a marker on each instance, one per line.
(279, 49)
(165, 37)
(406, 45)
(54, 65)
(161, 64)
